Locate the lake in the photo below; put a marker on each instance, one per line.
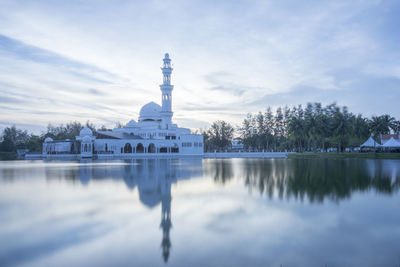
(200, 212)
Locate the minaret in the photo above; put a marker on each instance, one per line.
(166, 89)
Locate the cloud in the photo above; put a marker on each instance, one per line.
(94, 91)
(228, 56)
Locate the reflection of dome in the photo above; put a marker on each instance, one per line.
(149, 192)
(131, 124)
(48, 139)
(150, 112)
(150, 198)
(86, 131)
(86, 139)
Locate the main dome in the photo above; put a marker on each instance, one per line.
(150, 112)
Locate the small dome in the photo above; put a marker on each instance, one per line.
(150, 112)
(48, 139)
(86, 139)
(131, 124)
(166, 55)
(86, 131)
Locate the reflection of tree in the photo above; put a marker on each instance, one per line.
(219, 169)
(319, 179)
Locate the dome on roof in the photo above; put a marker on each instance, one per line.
(86, 139)
(150, 112)
(86, 131)
(48, 139)
(131, 124)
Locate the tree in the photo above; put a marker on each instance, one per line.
(278, 129)
(381, 125)
(220, 134)
(396, 126)
(269, 125)
(119, 125)
(310, 127)
(359, 130)
(297, 127)
(247, 131)
(91, 126)
(13, 138)
(9, 139)
(69, 131)
(340, 126)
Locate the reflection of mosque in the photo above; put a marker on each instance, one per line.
(152, 177)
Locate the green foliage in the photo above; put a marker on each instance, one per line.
(13, 138)
(61, 132)
(219, 136)
(314, 128)
(382, 125)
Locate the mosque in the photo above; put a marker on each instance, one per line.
(153, 134)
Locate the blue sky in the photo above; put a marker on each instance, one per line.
(62, 61)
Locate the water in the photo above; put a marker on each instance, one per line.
(194, 212)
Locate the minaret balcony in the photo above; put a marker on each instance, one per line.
(166, 87)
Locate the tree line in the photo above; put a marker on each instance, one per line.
(13, 138)
(310, 128)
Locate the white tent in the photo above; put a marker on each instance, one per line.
(370, 143)
(391, 143)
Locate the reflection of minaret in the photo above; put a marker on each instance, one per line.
(153, 179)
(166, 217)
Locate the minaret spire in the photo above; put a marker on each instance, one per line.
(166, 89)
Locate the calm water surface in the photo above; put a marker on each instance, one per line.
(194, 212)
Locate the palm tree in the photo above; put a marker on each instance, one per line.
(341, 127)
(381, 125)
(395, 126)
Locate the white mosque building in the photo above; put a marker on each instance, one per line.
(153, 134)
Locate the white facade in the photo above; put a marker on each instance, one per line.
(153, 133)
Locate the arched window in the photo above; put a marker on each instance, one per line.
(139, 148)
(127, 148)
(152, 148)
(86, 148)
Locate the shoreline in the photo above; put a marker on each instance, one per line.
(207, 155)
(344, 155)
(221, 155)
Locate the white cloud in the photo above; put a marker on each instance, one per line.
(267, 48)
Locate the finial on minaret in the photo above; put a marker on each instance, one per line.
(166, 89)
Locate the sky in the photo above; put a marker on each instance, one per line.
(63, 61)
